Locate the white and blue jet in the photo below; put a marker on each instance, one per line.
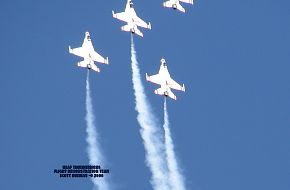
(89, 54)
(176, 5)
(165, 81)
(133, 21)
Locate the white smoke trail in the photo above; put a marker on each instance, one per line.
(93, 149)
(176, 180)
(152, 139)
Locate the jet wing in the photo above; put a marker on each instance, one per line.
(88, 47)
(123, 16)
(154, 78)
(141, 23)
(172, 84)
(80, 51)
(98, 58)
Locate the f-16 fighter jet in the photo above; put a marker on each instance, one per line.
(176, 5)
(163, 78)
(133, 21)
(89, 54)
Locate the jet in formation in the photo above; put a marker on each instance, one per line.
(165, 81)
(133, 21)
(89, 54)
(176, 5)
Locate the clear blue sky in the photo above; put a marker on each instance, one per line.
(231, 128)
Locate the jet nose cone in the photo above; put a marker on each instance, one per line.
(162, 61)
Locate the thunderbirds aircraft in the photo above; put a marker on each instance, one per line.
(89, 54)
(163, 78)
(133, 21)
(176, 5)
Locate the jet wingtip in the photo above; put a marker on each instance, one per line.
(147, 78)
(149, 26)
(107, 61)
(183, 88)
(69, 49)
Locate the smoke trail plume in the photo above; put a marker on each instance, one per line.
(93, 149)
(150, 134)
(176, 180)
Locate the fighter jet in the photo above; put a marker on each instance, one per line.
(133, 21)
(163, 78)
(89, 54)
(176, 5)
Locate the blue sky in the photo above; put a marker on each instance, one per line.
(230, 128)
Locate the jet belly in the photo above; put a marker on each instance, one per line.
(164, 73)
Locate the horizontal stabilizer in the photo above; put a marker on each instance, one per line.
(134, 30)
(169, 93)
(83, 64)
(171, 4)
(126, 28)
(89, 65)
(168, 4)
(160, 91)
(95, 68)
(187, 1)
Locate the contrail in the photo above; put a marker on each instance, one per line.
(93, 149)
(150, 134)
(176, 180)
